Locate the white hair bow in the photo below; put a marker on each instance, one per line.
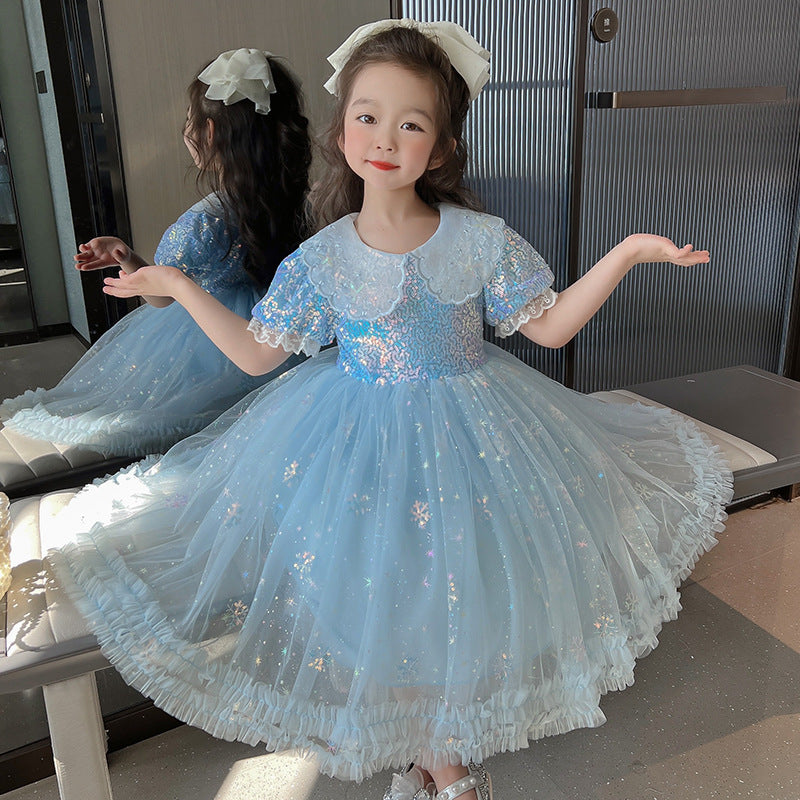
(469, 59)
(238, 75)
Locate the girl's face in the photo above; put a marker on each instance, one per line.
(389, 130)
(189, 135)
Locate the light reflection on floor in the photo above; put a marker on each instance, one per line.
(289, 778)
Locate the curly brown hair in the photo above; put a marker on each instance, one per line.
(257, 165)
(340, 191)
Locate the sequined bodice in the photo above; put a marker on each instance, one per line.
(421, 339)
(206, 248)
(413, 316)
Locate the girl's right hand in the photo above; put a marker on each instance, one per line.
(101, 252)
(153, 281)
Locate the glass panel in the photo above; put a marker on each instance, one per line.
(97, 117)
(102, 161)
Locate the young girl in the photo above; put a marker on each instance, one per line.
(417, 548)
(154, 377)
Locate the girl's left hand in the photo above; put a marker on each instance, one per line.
(646, 247)
(155, 281)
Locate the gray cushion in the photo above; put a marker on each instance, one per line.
(22, 458)
(31, 466)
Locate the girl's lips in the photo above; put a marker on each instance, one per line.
(383, 165)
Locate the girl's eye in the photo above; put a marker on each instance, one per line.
(410, 126)
(366, 118)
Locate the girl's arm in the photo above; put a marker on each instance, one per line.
(227, 330)
(578, 303)
(109, 251)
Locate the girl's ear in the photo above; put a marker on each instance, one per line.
(209, 132)
(438, 160)
(340, 141)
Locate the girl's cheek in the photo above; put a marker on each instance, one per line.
(423, 150)
(355, 145)
(356, 137)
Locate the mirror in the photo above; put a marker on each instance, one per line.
(16, 313)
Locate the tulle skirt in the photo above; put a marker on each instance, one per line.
(439, 570)
(151, 380)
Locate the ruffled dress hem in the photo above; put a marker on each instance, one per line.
(31, 418)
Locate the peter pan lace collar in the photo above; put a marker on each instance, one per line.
(365, 283)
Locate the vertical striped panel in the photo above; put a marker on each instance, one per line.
(726, 178)
(519, 128)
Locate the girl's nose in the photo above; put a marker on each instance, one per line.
(384, 141)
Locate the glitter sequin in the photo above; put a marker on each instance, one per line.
(420, 513)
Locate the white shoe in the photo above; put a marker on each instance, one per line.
(410, 785)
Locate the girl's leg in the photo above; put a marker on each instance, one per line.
(426, 776)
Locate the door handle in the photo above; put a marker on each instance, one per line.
(686, 97)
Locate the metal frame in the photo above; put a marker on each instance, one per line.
(102, 311)
(576, 168)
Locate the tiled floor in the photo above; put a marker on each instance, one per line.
(714, 712)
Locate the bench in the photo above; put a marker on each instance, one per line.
(45, 642)
(753, 415)
(31, 466)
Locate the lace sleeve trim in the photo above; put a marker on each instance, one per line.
(531, 310)
(290, 342)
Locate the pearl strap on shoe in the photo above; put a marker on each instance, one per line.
(457, 788)
(478, 779)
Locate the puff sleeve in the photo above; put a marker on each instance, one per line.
(520, 287)
(293, 314)
(196, 244)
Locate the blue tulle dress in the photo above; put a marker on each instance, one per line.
(414, 547)
(155, 377)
